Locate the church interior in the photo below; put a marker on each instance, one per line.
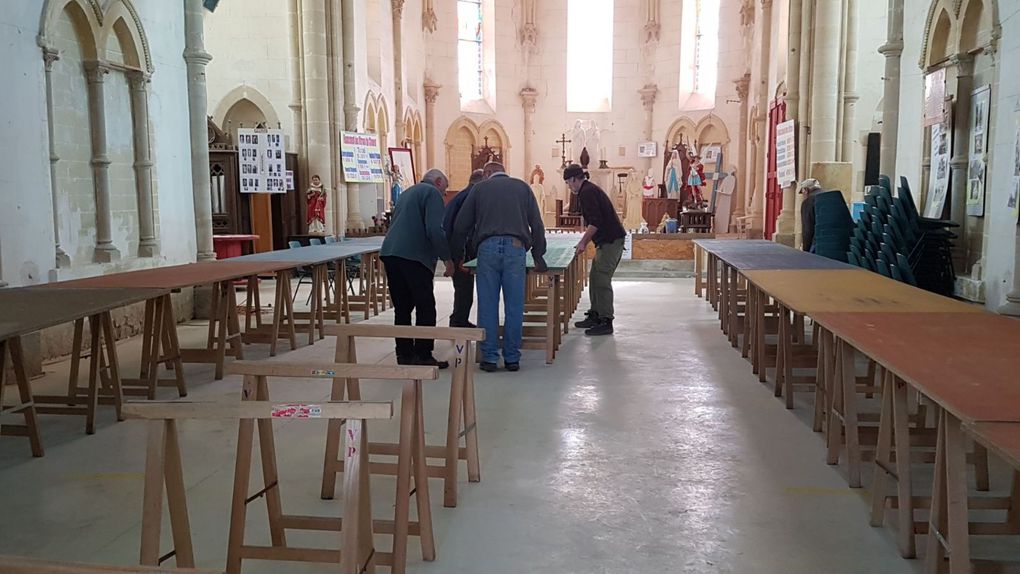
(813, 368)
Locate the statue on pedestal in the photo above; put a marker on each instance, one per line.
(648, 185)
(315, 201)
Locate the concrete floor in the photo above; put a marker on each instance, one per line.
(655, 450)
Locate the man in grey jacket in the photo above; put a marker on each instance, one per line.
(503, 220)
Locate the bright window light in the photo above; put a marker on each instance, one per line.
(589, 55)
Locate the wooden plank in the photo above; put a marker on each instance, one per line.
(176, 276)
(1002, 438)
(177, 410)
(325, 370)
(23, 565)
(30, 309)
(404, 331)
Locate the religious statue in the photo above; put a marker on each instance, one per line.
(538, 174)
(696, 179)
(585, 158)
(674, 173)
(396, 185)
(315, 199)
(648, 185)
(586, 137)
(632, 206)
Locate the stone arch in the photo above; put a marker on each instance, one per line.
(382, 118)
(368, 122)
(494, 129)
(122, 20)
(85, 15)
(978, 24)
(683, 128)
(253, 96)
(940, 33)
(711, 129)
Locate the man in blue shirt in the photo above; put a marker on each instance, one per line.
(463, 280)
(413, 245)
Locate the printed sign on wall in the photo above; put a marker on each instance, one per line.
(786, 153)
(261, 160)
(361, 158)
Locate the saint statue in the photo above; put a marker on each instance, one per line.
(648, 185)
(315, 200)
(537, 175)
(396, 185)
(673, 175)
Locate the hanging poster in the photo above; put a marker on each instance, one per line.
(935, 97)
(980, 106)
(786, 153)
(938, 179)
(361, 158)
(261, 160)
(1013, 203)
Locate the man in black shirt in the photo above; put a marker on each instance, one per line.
(606, 231)
(810, 188)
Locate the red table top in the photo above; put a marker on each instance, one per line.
(178, 276)
(969, 363)
(1001, 438)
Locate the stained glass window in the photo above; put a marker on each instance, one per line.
(470, 54)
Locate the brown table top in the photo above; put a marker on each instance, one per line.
(26, 310)
(177, 276)
(969, 363)
(1001, 438)
(850, 290)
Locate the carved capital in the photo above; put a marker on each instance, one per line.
(891, 49)
(529, 36)
(96, 71)
(964, 64)
(138, 80)
(743, 86)
(648, 94)
(529, 97)
(429, 21)
(652, 32)
(766, 4)
(747, 13)
(431, 92)
(49, 56)
(398, 9)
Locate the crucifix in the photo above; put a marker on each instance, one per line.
(563, 141)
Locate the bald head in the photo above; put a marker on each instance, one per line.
(437, 178)
(493, 167)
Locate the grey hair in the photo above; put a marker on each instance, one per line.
(476, 176)
(433, 175)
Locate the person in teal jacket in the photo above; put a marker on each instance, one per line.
(414, 244)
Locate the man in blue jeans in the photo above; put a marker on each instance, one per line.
(503, 220)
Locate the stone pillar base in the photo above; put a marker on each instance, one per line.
(62, 259)
(1012, 306)
(787, 239)
(106, 254)
(148, 249)
(207, 256)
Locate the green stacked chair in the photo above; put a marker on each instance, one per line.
(833, 226)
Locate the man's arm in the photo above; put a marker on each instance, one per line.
(538, 245)
(592, 216)
(434, 226)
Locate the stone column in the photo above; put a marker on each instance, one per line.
(351, 109)
(761, 154)
(529, 97)
(431, 94)
(105, 251)
(648, 94)
(743, 87)
(893, 51)
(786, 223)
(825, 80)
(61, 258)
(198, 108)
(318, 113)
(1012, 306)
(398, 70)
(850, 95)
(147, 245)
(429, 21)
(297, 89)
(959, 163)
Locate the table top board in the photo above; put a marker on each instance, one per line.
(850, 290)
(312, 255)
(759, 254)
(25, 310)
(559, 254)
(1001, 438)
(967, 362)
(177, 276)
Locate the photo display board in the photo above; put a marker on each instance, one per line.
(261, 160)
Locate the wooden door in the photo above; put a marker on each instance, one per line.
(773, 191)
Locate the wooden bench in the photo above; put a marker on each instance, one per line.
(461, 420)
(22, 565)
(409, 470)
(163, 473)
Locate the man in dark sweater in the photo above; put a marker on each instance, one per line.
(503, 219)
(606, 231)
(463, 280)
(414, 243)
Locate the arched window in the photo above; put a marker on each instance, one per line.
(589, 55)
(476, 55)
(699, 54)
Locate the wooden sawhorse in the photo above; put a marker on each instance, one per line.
(163, 472)
(26, 407)
(411, 471)
(461, 408)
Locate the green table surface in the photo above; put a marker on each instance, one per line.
(559, 255)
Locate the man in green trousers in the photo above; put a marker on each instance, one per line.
(603, 227)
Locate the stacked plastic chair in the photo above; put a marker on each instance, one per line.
(833, 226)
(891, 238)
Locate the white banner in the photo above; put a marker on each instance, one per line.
(786, 153)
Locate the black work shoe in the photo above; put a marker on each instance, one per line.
(431, 361)
(406, 360)
(464, 324)
(605, 327)
(489, 367)
(591, 320)
(513, 367)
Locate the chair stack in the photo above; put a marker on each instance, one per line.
(833, 226)
(892, 239)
